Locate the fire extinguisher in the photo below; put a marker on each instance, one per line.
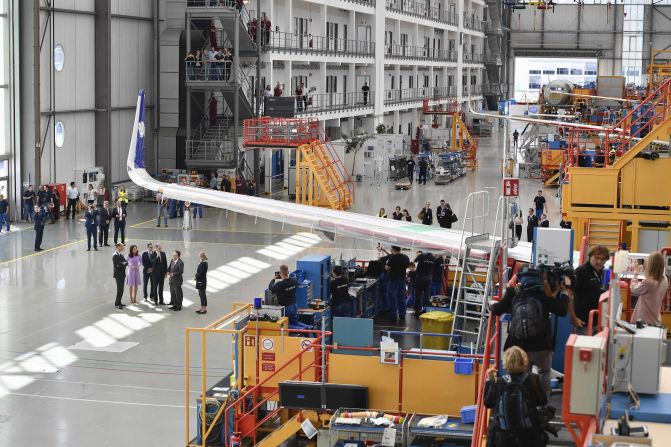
(236, 440)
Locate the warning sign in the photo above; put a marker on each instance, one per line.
(511, 187)
(268, 367)
(268, 356)
(268, 344)
(250, 340)
(305, 344)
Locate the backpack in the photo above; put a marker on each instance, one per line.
(527, 320)
(514, 411)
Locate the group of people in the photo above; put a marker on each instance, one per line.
(265, 29)
(46, 199)
(423, 173)
(97, 223)
(444, 214)
(214, 64)
(155, 268)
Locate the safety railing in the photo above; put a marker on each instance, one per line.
(308, 43)
(473, 23)
(212, 3)
(413, 52)
(280, 132)
(337, 164)
(438, 93)
(421, 10)
(331, 102)
(400, 96)
(473, 58)
(210, 151)
(490, 356)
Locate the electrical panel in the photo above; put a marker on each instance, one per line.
(587, 356)
(638, 358)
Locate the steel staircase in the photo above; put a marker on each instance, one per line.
(320, 177)
(604, 232)
(281, 434)
(494, 33)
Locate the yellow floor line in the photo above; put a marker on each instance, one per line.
(46, 250)
(142, 223)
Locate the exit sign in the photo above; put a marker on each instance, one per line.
(511, 187)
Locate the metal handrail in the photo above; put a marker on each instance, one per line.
(210, 150)
(281, 132)
(473, 23)
(420, 10)
(414, 52)
(473, 58)
(308, 43)
(398, 96)
(329, 102)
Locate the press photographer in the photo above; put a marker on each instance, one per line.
(540, 292)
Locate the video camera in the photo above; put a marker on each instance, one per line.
(558, 273)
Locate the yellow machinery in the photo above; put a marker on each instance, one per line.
(659, 69)
(265, 353)
(461, 139)
(551, 163)
(319, 182)
(613, 204)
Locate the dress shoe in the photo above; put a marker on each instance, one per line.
(39, 249)
(88, 249)
(176, 309)
(158, 226)
(201, 312)
(107, 245)
(96, 249)
(171, 307)
(161, 303)
(119, 307)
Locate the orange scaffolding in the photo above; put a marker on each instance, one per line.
(280, 132)
(461, 139)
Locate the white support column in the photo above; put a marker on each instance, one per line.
(378, 70)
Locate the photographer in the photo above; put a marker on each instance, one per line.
(530, 304)
(588, 288)
(517, 402)
(341, 301)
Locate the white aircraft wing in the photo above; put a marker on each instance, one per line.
(609, 98)
(526, 119)
(340, 223)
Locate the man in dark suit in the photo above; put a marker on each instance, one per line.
(119, 216)
(105, 218)
(159, 267)
(427, 219)
(91, 216)
(176, 272)
(120, 264)
(40, 217)
(532, 222)
(146, 270)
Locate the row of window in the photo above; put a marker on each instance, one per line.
(564, 71)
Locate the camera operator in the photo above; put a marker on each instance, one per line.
(588, 288)
(530, 304)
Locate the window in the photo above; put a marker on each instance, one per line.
(533, 86)
(536, 72)
(548, 72)
(59, 134)
(576, 72)
(590, 72)
(59, 58)
(562, 71)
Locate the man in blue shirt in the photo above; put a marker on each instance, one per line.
(91, 225)
(40, 217)
(4, 212)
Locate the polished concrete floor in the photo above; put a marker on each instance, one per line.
(74, 371)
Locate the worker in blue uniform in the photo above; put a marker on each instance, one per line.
(284, 287)
(424, 273)
(438, 275)
(341, 301)
(91, 225)
(40, 217)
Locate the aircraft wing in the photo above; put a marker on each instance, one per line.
(602, 97)
(526, 119)
(340, 223)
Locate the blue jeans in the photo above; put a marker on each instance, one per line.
(161, 211)
(4, 218)
(28, 212)
(396, 298)
(190, 71)
(435, 288)
(539, 213)
(291, 312)
(197, 208)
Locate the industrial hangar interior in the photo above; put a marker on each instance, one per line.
(335, 223)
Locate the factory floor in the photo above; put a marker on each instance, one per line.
(75, 371)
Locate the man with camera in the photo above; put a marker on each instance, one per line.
(91, 225)
(539, 293)
(341, 301)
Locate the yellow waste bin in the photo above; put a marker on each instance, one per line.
(436, 322)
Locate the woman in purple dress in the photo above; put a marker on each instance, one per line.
(133, 278)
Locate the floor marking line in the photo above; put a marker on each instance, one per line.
(142, 223)
(46, 250)
(141, 404)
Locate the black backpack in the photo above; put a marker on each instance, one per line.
(514, 412)
(527, 320)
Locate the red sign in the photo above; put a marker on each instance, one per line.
(250, 340)
(268, 356)
(268, 367)
(511, 187)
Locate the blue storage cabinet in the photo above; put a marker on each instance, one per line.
(317, 269)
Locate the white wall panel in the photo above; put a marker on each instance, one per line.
(134, 8)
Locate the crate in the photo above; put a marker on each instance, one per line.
(463, 366)
(468, 414)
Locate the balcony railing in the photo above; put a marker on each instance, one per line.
(473, 23)
(370, 3)
(318, 44)
(412, 52)
(210, 151)
(213, 3)
(402, 96)
(419, 9)
(332, 102)
(474, 58)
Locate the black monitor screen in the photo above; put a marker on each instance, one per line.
(346, 396)
(302, 395)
